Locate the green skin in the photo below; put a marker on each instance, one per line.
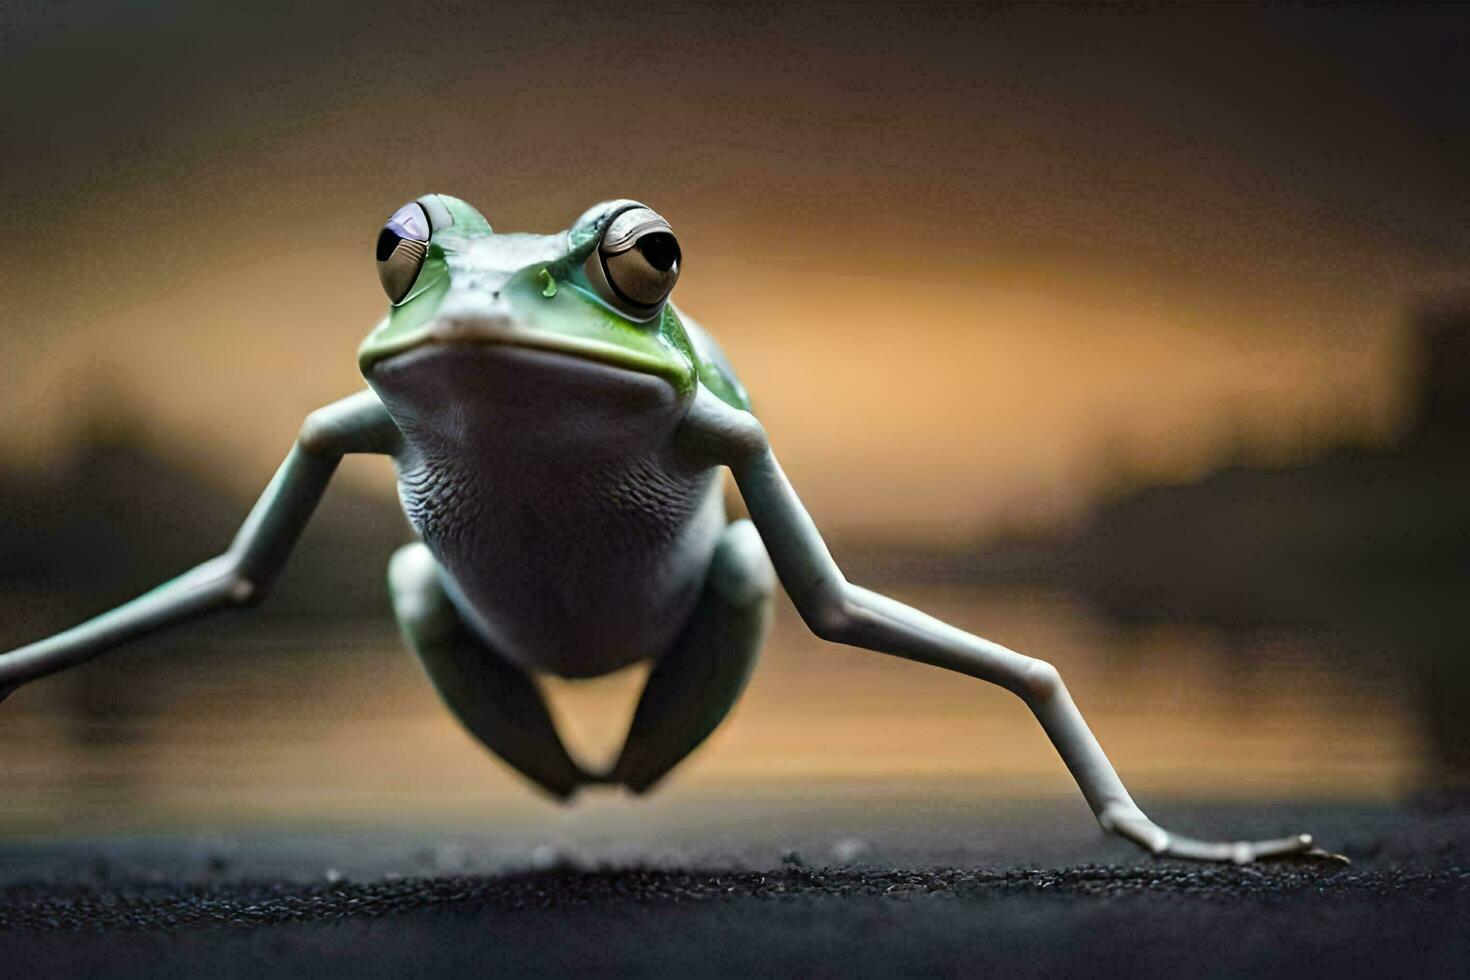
(550, 300)
(529, 294)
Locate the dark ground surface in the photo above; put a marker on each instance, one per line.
(832, 906)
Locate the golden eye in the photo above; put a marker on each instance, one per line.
(636, 263)
(402, 245)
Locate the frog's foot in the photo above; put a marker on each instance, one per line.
(1130, 822)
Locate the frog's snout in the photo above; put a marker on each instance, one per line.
(474, 317)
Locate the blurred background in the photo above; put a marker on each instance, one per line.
(1135, 339)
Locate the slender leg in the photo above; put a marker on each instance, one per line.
(240, 576)
(844, 613)
(696, 682)
(495, 700)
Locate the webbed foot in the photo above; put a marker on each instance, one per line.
(1131, 823)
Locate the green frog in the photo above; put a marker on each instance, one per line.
(559, 427)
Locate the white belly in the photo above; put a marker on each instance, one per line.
(550, 491)
(579, 580)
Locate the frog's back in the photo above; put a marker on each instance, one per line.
(574, 537)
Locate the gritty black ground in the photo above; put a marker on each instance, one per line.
(125, 907)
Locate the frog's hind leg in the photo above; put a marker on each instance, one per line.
(698, 679)
(494, 699)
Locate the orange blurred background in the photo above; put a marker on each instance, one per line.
(984, 270)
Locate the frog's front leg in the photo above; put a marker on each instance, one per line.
(240, 576)
(843, 613)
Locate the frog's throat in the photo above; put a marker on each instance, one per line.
(507, 335)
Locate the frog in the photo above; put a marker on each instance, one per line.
(561, 432)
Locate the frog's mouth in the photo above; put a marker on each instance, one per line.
(504, 331)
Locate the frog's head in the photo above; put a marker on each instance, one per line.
(527, 318)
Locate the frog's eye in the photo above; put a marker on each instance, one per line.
(402, 245)
(636, 263)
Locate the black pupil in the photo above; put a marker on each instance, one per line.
(388, 240)
(659, 248)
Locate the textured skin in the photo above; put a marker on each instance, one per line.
(547, 486)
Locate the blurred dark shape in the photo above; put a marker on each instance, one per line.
(1310, 543)
(1432, 607)
(1442, 365)
(1372, 546)
(120, 517)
